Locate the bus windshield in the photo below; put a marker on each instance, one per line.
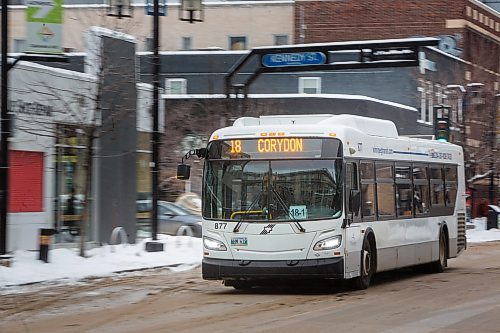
(277, 190)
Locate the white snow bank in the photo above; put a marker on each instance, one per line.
(65, 264)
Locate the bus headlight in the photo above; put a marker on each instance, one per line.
(212, 244)
(328, 244)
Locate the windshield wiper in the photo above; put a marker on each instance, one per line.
(284, 206)
(240, 222)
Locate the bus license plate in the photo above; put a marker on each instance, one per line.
(239, 241)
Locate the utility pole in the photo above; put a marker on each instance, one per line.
(156, 110)
(4, 138)
(154, 246)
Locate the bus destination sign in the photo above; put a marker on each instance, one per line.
(275, 147)
(293, 59)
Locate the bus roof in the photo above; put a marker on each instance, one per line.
(369, 126)
(363, 137)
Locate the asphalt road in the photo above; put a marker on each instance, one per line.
(465, 298)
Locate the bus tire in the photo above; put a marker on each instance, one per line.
(366, 267)
(439, 265)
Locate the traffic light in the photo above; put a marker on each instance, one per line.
(442, 130)
(442, 122)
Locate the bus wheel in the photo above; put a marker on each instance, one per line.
(439, 265)
(367, 266)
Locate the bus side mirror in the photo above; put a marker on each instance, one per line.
(183, 171)
(354, 201)
(201, 152)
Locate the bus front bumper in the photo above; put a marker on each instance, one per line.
(223, 269)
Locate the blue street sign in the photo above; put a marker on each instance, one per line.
(150, 8)
(293, 59)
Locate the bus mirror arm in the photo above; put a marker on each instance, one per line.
(184, 170)
(200, 153)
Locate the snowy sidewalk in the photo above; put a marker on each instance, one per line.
(65, 264)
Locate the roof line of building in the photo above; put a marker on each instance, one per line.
(433, 48)
(210, 3)
(294, 95)
(485, 7)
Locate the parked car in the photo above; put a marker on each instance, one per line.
(176, 220)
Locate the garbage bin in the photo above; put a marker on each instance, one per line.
(44, 241)
(493, 217)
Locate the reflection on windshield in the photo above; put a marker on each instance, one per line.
(272, 190)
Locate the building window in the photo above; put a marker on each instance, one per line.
(148, 44)
(187, 43)
(423, 103)
(430, 102)
(176, 86)
(309, 85)
(237, 43)
(439, 94)
(71, 174)
(280, 39)
(19, 45)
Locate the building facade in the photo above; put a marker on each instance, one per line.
(78, 138)
(234, 25)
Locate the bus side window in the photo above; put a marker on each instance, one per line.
(420, 190)
(450, 176)
(404, 191)
(437, 186)
(351, 179)
(367, 174)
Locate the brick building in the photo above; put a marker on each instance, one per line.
(468, 30)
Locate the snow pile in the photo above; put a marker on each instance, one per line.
(478, 232)
(65, 263)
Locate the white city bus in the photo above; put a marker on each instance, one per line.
(327, 196)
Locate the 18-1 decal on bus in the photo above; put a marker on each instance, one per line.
(298, 212)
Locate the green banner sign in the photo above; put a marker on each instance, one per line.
(44, 20)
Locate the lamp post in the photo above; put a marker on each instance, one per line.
(155, 246)
(156, 110)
